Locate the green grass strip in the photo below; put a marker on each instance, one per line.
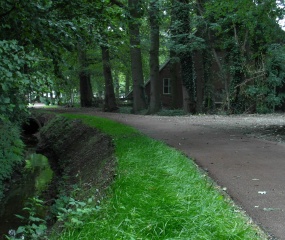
(158, 193)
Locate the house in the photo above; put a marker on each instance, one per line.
(166, 87)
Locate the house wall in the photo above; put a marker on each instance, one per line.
(166, 99)
(218, 86)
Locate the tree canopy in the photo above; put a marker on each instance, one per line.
(42, 41)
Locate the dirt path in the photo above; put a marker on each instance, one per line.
(250, 169)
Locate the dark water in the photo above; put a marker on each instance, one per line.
(37, 176)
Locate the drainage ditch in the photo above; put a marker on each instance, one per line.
(61, 153)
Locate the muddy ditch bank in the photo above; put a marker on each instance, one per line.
(81, 157)
(78, 153)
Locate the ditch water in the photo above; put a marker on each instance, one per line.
(36, 176)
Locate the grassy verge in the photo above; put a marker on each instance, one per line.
(158, 194)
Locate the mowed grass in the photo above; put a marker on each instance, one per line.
(158, 193)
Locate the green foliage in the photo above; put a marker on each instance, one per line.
(35, 227)
(45, 32)
(14, 84)
(245, 32)
(71, 212)
(265, 92)
(11, 151)
(18, 79)
(185, 38)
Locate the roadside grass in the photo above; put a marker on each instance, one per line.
(158, 193)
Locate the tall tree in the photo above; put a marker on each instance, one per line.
(110, 99)
(86, 94)
(184, 52)
(136, 12)
(154, 104)
(174, 59)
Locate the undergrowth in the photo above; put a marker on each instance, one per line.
(158, 193)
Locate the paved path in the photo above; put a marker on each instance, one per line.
(252, 170)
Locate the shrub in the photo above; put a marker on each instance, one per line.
(11, 151)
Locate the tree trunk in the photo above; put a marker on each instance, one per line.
(139, 101)
(110, 99)
(86, 94)
(117, 84)
(188, 81)
(154, 105)
(127, 84)
(174, 60)
(174, 79)
(200, 81)
(183, 17)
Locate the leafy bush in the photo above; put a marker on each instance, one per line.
(16, 79)
(35, 227)
(12, 90)
(266, 93)
(11, 150)
(70, 211)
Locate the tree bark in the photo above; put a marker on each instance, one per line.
(127, 84)
(174, 59)
(139, 101)
(186, 56)
(174, 79)
(154, 105)
(116, 84)
(86, 94)
(110, 99)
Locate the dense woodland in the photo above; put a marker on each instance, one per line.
(100, 50)
(97, 51)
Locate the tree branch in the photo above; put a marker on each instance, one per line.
(235, 32)
(248, 80)
(245, 40)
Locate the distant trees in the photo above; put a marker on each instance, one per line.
(70, 47)
(230, 51)
(245, 31)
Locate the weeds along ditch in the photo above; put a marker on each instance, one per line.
(49, 190)
(30, 179)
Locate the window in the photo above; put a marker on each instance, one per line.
(166, 86)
